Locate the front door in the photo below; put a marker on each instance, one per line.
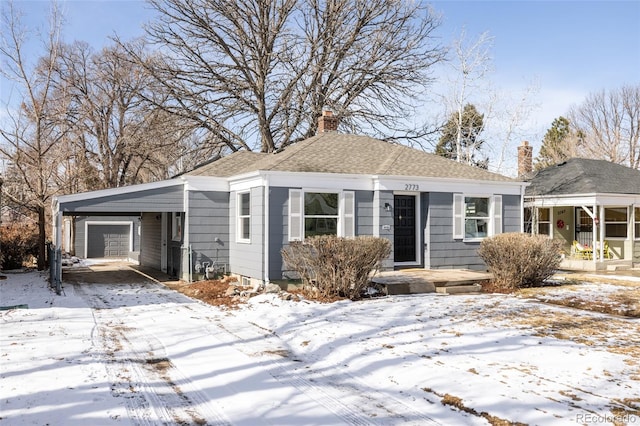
(404, 230)
(584, 227)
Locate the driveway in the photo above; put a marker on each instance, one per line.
(113, 272)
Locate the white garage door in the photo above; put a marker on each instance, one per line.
(108, 241)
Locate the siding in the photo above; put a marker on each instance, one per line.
(511, 213)
(150, 240)
(208, 221)
(247, 258)
(449, 253)
(279, 225)
(169, 199)
(445, 251)
(386, 219)
(364, 212)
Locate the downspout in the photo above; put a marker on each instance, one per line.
(265, 244)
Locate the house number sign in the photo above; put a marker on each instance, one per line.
(411, 187)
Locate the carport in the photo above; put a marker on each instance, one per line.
(158, 209)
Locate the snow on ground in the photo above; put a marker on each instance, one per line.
(141, 354)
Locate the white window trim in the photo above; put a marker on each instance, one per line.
(495, 223)
(345, 218)
(605, 223)
(176, 216)
(240, 217)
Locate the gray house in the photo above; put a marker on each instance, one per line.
(237, 213)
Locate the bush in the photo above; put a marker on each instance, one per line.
(333, 267)
(19, 243)
(519, 260)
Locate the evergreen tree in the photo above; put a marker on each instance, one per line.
(558, 144)
(460, 139)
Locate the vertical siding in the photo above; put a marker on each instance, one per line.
(208, 229)
(248, 258)
(151, 240)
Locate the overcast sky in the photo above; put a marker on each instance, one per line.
(568, 48)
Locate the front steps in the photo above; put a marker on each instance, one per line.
(419, 281)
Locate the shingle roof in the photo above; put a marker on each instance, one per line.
(348, 154)
(585, 176)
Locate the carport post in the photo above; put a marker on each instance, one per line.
(56, 275)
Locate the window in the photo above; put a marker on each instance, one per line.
(544, 221)
(637, 216)
(615, 222)
(244, 217)
(476, 217)
(176, 226)
(321, 213)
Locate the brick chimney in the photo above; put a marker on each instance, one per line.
(327, 122)
(525, 159)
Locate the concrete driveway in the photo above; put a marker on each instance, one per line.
(110, 272)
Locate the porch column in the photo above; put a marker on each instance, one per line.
(602, 233)
(594, 218)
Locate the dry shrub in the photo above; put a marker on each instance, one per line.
(19, 244)
(335, 266)
(519, 260)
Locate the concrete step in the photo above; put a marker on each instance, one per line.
(460, 289)
(619, 267)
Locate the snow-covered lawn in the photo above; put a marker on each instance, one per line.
(143, 354)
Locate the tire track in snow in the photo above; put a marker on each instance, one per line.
(140, 372)
(343, 399)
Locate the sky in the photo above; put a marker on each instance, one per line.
(565, 49)
(132, 353)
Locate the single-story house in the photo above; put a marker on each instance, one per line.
(237, 213)
(589, 202)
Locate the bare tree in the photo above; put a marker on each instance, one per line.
(609, 123)
(30, 136)
(469, 83)
(259, 72)
(471, 65)
(119, 138)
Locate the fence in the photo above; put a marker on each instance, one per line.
(54, 256)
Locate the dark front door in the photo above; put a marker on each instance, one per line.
(404, 230)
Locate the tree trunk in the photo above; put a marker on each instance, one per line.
(42, 238)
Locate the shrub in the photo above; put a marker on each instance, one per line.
(332, 266)
(519, 260)
(19, 243)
